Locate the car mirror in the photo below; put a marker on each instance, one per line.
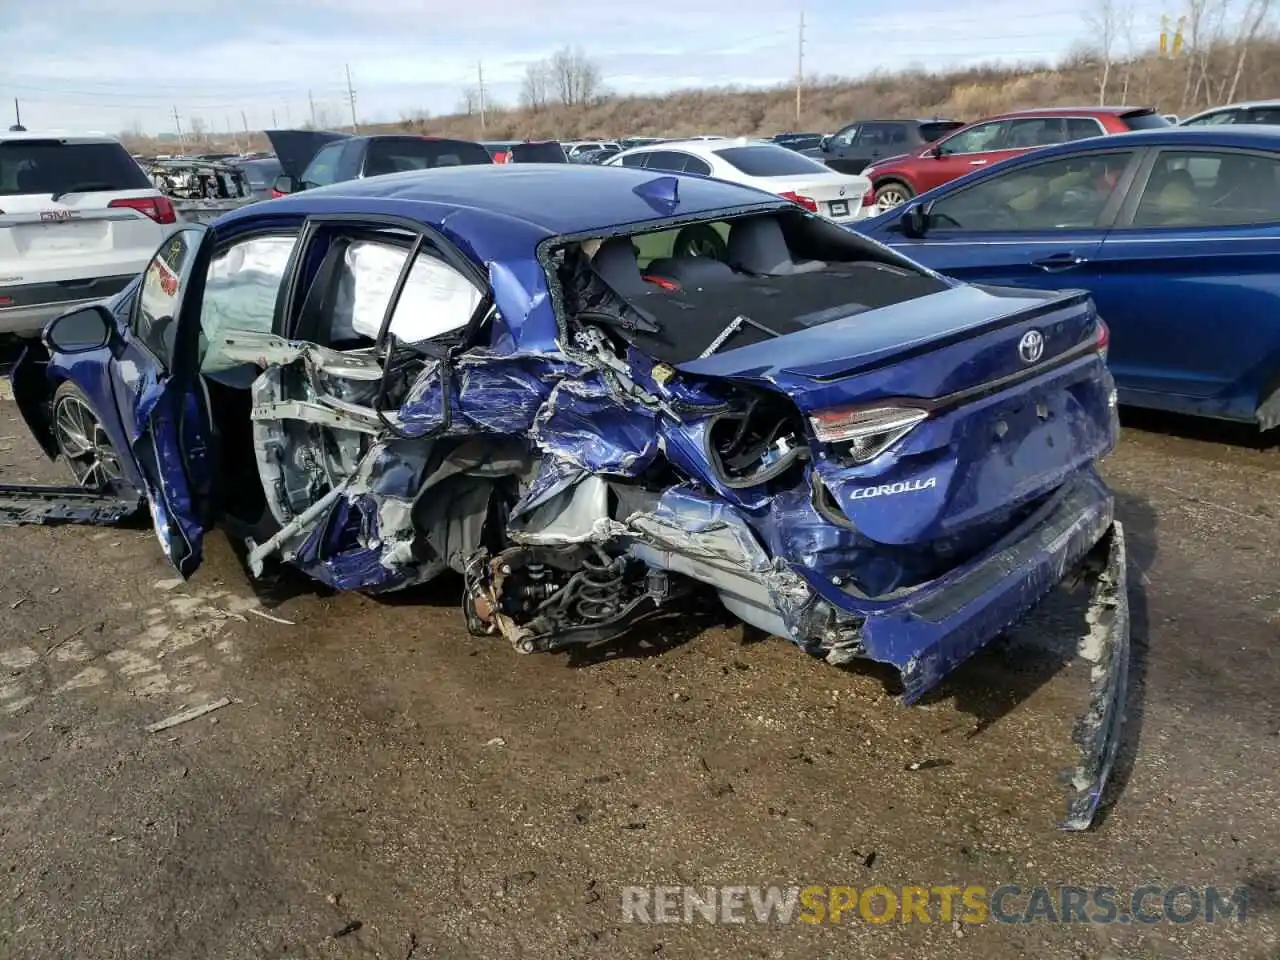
(914, 221)
(824, 143)
(285, 184)
(935, 151)
(80, 331)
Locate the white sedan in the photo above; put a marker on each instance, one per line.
(758, 163)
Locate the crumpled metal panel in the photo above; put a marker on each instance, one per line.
(582, 422)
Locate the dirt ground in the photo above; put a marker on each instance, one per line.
(383, 785)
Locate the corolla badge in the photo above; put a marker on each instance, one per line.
(1031, 346)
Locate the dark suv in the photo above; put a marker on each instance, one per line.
(860, 144)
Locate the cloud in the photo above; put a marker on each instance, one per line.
(135, 61)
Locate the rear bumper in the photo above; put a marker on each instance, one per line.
(938, 627)
(35, 304)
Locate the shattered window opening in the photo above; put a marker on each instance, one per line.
(241, 290)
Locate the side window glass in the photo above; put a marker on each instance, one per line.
(1208, 189)
(240, 294)
(1065, 194)
(1214, 119)
(160, 298)
(323, 168)
(668, 160)
(1081, 128)
(872, 135)
(436, 299)
(845, 137)
(634, 159)
(976, 139)
(1269, 115)
(1035, 132)
(697, 165)
(899, 134)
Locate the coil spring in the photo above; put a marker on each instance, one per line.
(598, 588)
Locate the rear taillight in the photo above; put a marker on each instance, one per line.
(869, 198)
(801, 200)
(502, 156)
(159, 209)
(869, 431)
(276, 194)
(6, 301)
(1104, 338)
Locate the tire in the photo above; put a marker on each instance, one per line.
(700, 240)
(892, 193)
(82, 441)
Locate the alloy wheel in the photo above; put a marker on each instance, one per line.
(85, 444)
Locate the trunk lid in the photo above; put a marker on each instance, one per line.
(1016, 399)
(295, 148)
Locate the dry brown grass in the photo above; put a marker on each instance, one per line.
(831, 102)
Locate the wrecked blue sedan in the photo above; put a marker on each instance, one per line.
(592, 393)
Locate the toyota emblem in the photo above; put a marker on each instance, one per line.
(1031, 346)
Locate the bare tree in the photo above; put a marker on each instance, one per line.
(574, 77)
(1251, 24)
(198, 128)
(535, 89)
(469, 102)
(1104, 23)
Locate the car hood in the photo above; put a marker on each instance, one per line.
(295, 148)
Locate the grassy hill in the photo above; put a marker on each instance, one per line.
(1192, 81)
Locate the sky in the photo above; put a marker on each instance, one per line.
(88, 65)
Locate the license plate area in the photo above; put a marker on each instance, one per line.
(38, 238)
(839, 208)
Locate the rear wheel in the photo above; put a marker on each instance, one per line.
(83, 442)
(892, 194)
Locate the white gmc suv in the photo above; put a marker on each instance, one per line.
(79, 219)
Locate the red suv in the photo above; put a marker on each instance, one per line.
(898, 179)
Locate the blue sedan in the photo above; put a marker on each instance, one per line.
(1175, 232)
(523, 376)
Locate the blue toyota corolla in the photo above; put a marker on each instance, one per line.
(521, 375)
(1176, 234)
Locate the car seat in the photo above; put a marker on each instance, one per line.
(616, 263)
(1170, 198)
(757, 245)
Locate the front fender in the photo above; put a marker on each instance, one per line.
(33, 392)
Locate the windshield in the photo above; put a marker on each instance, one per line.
(55, 166)
(414, 153)
(770, 160)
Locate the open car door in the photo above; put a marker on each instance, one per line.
(162, 397)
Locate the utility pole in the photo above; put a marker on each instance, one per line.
(312, 101)
(17, 113)
(273, 118)
(351, 96)
(177, 125)
(244, 122)
(480, 79)
(799, 69)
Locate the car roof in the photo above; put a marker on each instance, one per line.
(703, 148)
(546, 199)
(1240, 105)
(1256, 136)
(57, 135)
(1068, 112)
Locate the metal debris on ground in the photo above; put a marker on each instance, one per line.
(186, 716)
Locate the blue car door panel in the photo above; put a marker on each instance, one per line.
(160, 400)
(1192, 267)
